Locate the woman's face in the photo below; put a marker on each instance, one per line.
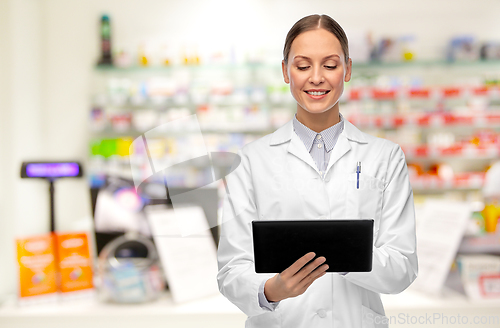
(316, 70)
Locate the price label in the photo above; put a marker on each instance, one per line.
(489, 284)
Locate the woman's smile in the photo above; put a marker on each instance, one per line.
(317, 94)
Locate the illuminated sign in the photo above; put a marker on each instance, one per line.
(50, 170)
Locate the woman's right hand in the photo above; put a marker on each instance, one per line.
(293, 281)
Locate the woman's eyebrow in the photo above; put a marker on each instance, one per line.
(300, 57)
(305, 57)
(331, 56)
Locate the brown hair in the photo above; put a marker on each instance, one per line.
(313, 22)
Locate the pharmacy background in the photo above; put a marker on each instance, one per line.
(121, 122)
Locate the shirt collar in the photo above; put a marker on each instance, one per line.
(329, 135)
(285, 132)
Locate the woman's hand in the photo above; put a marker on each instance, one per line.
(295, 280)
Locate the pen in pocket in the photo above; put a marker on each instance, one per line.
(358, 171)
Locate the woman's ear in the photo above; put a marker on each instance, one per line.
(285, 72)
(348, 70)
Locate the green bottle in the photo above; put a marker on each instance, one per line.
(106, 56)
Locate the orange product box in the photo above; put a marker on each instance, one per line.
(383, 94)
(75, 264)
(451, 92)
(420, 93)
(37, 267)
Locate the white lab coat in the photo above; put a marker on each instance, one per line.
(278, 179)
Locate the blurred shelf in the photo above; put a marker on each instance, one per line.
(389, 121)
(426, 120)
(458, 151)
(461, 181)
(440, 190)
(257, 96)
(277, 66)
(165, 101)
(423, 93)
(436, 63)
(132, 133)
(489, 243)
(191, 67)
(161, 105)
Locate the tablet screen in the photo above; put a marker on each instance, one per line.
(347, 245)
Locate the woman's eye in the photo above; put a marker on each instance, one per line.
(302, 68)
(331, 67)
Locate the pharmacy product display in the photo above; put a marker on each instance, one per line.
(233, 105)
(446, 117)
(441, 122)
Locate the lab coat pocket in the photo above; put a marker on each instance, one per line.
(372, 319)
(267, 320)
(363, 199)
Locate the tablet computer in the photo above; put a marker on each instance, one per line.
(347, 245)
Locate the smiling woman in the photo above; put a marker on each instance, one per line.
(324, 179)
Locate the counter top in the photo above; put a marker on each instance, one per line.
(214, 311)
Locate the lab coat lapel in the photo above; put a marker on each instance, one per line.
(295, 145)
(341, 148)
(297, 148)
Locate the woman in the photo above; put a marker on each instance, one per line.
(307, 170)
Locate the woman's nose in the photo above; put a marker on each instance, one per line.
(316, 76)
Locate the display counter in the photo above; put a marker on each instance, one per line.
(408, 309)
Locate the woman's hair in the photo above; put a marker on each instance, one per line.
(314, 22)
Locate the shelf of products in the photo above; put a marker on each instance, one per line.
(436, 120)
(417, 92)
(234, 105)
(357, 65)
(427, 120)
(462, 181)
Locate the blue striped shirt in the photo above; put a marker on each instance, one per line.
(319, 145)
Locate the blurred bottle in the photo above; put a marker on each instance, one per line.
(408, 47)
(491, 214)
(166, 57)
(105, 30)
(491, 194)
(143, 57)
(195, 57)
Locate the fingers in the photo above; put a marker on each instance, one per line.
(305, 271)
(309, 279)
(295, 267)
